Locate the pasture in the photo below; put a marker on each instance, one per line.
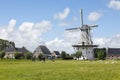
(59, 70)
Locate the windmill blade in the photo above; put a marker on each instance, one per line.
(91, 26)
(73, 29)
(81, 13)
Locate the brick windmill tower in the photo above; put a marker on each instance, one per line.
(85, 44)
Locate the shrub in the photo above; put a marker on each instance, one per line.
(18, 55)
(63, 55)
(41, 57)
(68, 57)
(2, 54)
(28, 55)
(101, 55)
(78, 54)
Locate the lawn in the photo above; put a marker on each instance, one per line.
(59, 70)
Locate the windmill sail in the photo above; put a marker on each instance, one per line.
(71, 29)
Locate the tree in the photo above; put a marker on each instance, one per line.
(19, 55)
(2, 54)
(101, 55)
(28, 55)
(41, 57)
(63, 55)
(78, 54)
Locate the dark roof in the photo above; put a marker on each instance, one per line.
(13, 49)
(9, 49)
(43, 48)
(113, 50)
(23, 50)
(56, 52)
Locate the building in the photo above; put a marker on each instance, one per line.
(41, 50)
(85, 44)
(10, 51)
(9, 48)
(113, 53)
(56, 54)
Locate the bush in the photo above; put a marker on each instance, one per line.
(78, 54)
(2, 54)
(41, 57)
(68, 57)
(19, 55)
(28, 55)
(101, 55)
(63, 55)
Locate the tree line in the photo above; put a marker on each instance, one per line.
(17, 55)
(99, 53)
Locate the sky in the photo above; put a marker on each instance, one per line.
(31, 23)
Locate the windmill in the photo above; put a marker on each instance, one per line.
(85, 45)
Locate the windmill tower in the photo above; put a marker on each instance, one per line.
(85, 45)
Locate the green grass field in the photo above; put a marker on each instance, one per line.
(59, 70)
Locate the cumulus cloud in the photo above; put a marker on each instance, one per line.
(62, 15)
(71, 37)
(102, 42)
(94, 16)
(114, 4)
(108, 42)
(74, 38)
(27, 34)
(59, 45)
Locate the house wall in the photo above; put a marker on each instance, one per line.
(9, 55)
(113, 56)
(113, 53)
(87, 52)
(56, 56)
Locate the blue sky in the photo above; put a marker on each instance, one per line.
(30, 23)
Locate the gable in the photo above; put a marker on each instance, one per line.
(56, 52)
(42, 49)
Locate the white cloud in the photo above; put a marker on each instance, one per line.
(102, 42)
(73, 36)
(11, 25)
(62, 15)
(94, 16)
(66, 44)
(108, 42)
(114, 4)
(60, 45)
(27, 34)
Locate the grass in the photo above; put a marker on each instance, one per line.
(59, 70)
